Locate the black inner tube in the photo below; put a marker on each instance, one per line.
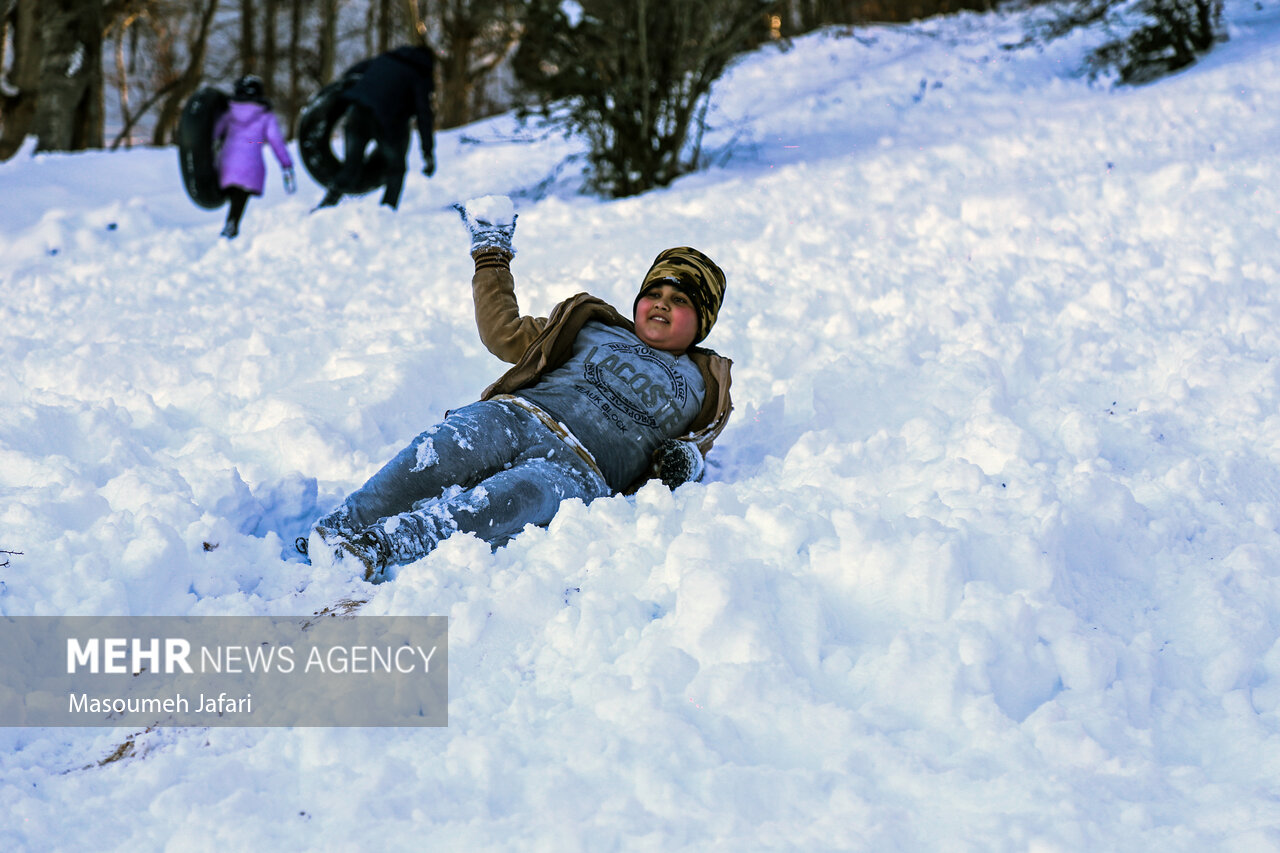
(316, 125)
(197, 149)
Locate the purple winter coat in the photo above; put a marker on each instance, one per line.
(243, 129)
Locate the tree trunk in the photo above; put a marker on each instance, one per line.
(474, 38)
(18, 110)
(328, 40)
(188, 81)
(293, 104)
(248, 37)
(272, 13)
(385, 26)
(7, 8)
(455, 101)
(69, 113)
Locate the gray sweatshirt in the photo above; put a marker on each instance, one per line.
(620, 398)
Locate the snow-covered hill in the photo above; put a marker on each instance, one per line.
(987, 558)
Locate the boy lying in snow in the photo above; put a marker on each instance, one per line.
(595, 405)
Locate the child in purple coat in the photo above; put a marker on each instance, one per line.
(242, 130)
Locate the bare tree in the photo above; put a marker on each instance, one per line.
(81, 91)
(271, 14)
(53, 86)
(181, 86)
(293, 99)
(145, 41)
(328, 39)
(21, 76)
(472, 37)
(248, 37)
(636, 76)
(389, 25)
(150, 56)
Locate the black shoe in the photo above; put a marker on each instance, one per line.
(230, 230)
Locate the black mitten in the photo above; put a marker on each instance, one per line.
(678, 462)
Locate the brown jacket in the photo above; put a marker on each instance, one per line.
(536, 345)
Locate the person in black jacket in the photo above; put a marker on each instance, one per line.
(391, 89)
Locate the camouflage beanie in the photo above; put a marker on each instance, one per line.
(693, 274)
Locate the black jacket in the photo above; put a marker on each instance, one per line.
(396, 86)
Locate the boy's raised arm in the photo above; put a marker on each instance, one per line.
(503, 330)
(491, 220)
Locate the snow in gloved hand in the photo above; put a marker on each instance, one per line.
(491, 219)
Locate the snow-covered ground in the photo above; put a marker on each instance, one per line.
(986, 561)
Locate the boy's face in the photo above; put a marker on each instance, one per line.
(665, 319)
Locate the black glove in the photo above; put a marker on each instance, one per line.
(678, 462)
(429, 164)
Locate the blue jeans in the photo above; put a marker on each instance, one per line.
(489, 468)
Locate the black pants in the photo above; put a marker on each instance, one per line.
(360, 128)
(238, 198)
